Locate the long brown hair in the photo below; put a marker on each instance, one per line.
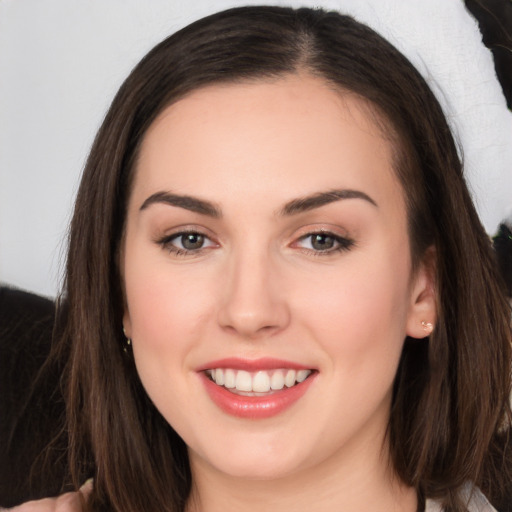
(450, 409)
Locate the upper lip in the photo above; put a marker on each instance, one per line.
(252, 365)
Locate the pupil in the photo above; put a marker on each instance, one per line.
(322, 242)
(192, 241)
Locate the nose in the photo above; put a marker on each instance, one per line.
(254, 299)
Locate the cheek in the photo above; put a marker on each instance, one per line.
(167, 313)
(359, 312)
(164, 305)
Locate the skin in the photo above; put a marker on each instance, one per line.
(258, 288)
(68, 502)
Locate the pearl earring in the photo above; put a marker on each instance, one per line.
(428, 327)
(128, 341)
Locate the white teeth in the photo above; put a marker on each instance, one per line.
(277, 380)
(302, 375)
(218, 376)
(289, 380)
(243, 381)
(229, 378)
(258, 382)
(261, 382)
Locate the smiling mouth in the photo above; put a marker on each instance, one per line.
(258, 383)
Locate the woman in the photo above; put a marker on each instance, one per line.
(278, 291)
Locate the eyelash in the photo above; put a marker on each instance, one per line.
(167, 243)
(343, 243)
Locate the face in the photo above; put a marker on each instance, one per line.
(268, 277)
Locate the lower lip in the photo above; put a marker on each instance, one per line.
(255, 407)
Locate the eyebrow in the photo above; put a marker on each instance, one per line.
(193, 204)
(303, 204)
(293, 207)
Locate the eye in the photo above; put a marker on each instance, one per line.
(184, 243)
(324, 242)
(190, 241)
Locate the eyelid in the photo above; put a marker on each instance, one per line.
(183, 229)
(323, 228)
(166, 240)
(344, 241)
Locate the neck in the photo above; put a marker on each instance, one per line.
(328, 486)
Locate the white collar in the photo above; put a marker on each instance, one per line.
(476, 501)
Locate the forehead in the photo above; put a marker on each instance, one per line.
(285, 137)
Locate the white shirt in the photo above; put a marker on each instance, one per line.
(477, 502)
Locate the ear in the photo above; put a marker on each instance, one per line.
(422, 314)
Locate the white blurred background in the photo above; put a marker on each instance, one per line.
(61, 62)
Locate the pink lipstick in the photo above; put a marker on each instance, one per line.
(255, 389)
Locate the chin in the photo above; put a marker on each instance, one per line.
(251, 459)
(258, 470)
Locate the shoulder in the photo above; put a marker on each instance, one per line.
(476, 502)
